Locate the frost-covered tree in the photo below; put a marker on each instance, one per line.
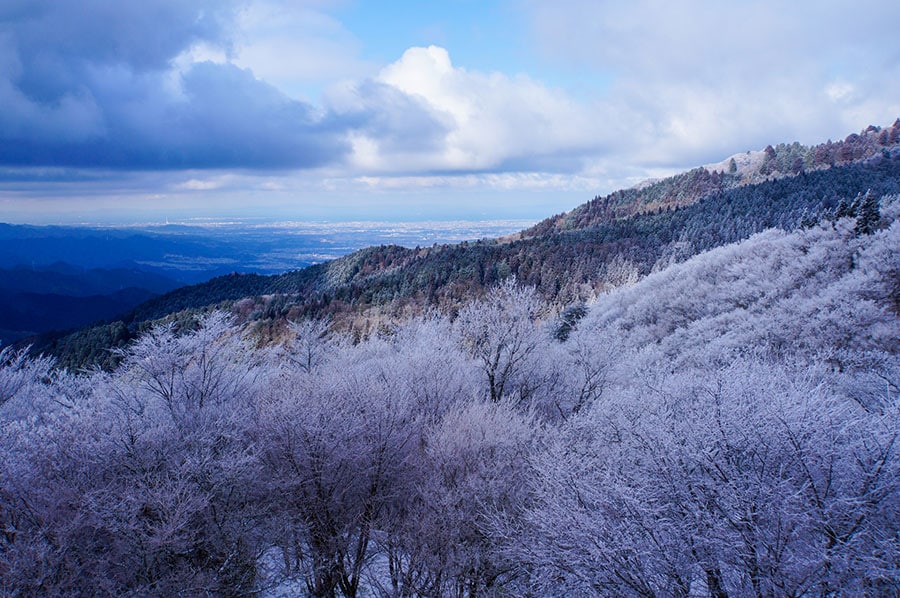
(568, 320)
(727, 426)
(32, 386)
(336, 447)
(18, 371)
(800, 293)
(585, 366)
(751, 481)
(471, 466)
(501, 333)
(145, 485)
(310, 345)
(868, 214)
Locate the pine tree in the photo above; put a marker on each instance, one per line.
(868, 214)
(842, 210)
(856, 205)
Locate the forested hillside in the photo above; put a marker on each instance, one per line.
(783, 160)
(727, 426)
(568, 259)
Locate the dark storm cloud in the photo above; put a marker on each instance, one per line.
(93, 84)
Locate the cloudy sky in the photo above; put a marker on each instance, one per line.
(356, 109)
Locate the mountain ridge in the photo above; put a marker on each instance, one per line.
(567, 258)
(783, 160)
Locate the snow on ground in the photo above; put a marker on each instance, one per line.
(747, 163)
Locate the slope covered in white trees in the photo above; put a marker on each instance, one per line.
(727, 426)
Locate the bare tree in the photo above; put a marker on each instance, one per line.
(500, 332)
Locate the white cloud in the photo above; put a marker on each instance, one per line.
(839, 91)
(205, 184)
(698, 79)
(506, 181)
(485, 121)
(684, 84)
(296, 47)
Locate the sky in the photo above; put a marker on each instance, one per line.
(457, 109)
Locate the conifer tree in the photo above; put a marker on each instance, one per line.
(842, 210)
(868, 214)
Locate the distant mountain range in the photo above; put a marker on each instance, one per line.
(62, 277)
(568, 258)
(61, 297)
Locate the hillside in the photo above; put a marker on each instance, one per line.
(783, 160)
(726, 426)
(566, 259)
(819, 292)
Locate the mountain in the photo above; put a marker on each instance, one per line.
(78, 261)
(752, 168)
(726, 426)
(721, 419)
(65, 279)
(568, 258)
(27, 314)
(103, 248)
(40, 299)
